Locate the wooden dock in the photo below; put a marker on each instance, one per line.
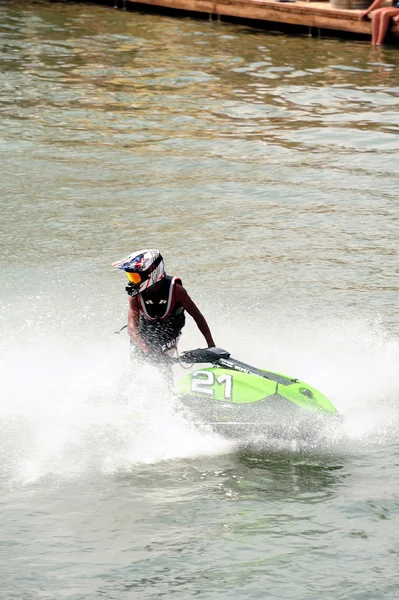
(319, 17)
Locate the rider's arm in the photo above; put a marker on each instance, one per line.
(133, 324)
(182, 297)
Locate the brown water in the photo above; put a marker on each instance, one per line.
(265, 167)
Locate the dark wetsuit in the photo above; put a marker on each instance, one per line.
(161, 317)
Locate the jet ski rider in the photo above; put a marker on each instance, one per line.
(157, 303)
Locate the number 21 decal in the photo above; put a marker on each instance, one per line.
(202, 382)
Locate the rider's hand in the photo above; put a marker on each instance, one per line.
(364, 16)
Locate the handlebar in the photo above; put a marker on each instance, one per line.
(202, 355)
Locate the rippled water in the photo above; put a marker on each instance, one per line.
(265, 167)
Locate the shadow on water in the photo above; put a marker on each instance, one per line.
(299, 476)
(247, 474)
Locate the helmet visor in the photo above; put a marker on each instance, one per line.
(134, 277)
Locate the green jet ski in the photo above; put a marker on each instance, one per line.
(236, 399)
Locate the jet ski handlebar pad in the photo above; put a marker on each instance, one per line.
(204, 355)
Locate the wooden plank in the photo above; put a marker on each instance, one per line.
(320, 15)
(300, 13)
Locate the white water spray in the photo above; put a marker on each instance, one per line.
(66, 412)
(71, 407)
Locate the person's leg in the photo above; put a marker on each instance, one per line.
(386, 15)
(167, 373)
(375, 26)
(166, 363)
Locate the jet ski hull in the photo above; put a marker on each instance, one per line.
(236, 403)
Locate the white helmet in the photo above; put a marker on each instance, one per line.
(144, 269)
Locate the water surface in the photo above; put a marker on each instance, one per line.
(264, 166)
